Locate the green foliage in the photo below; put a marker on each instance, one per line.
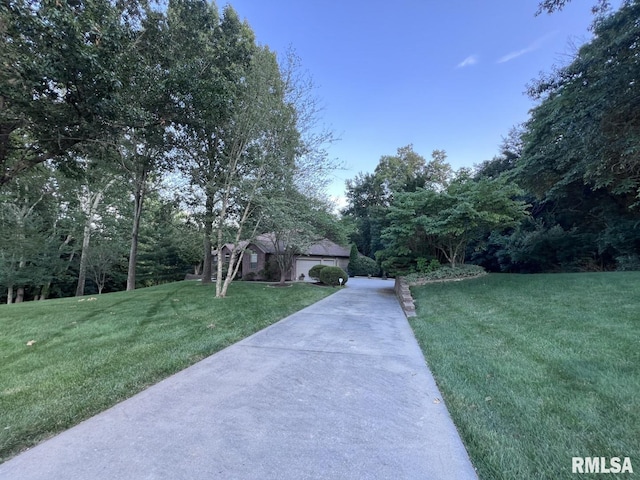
(353, 258)
(314, 272)
(271, 271)
(61, 77)
(424, 265)
(364, 266)
(628, 263)
(369, 195)
(429, 222)
(580, 156)
(446, 273)
(332, 275)
(141, 93)
(585, 130)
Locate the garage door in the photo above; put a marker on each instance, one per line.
(303, 265)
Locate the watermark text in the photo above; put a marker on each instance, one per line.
(601, 465)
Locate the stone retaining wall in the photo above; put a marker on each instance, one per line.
(404, 297)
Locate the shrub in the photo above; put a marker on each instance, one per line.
(364, 266)
(628, 263)
(331, 276)
(314, 272)
(270, 272)
(249, 277)
(446, 273)
(426, 266)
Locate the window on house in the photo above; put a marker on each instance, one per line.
(254, 261)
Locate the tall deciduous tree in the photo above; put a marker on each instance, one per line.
(59, 78)
(144, 146)
(430, 221)
(587, 127)
(369, 195)
(211, 58)
(234, 125)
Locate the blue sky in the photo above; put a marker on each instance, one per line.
(446, 75)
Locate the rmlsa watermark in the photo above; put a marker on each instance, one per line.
(601, 465)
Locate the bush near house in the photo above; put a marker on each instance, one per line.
(332, 275)
(314, 272)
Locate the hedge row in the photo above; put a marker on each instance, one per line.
(328, 275)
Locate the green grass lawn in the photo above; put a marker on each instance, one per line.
(93, 352)
(537, 369)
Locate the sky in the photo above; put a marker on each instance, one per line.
(448, 75)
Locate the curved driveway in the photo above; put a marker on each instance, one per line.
(339, 390)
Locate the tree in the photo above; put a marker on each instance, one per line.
(550, 6)
(32, 240)
(170, 242)
(397, 172)
(587, 127)
(353, 258)
(312, 163)
(59, 77)
(579, 160)
(214, 109)
(144, 146)
(103, 257)
(429, 222)
(369, 195)
(91, 192)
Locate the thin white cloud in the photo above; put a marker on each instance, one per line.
(467, 62)
(531, 48)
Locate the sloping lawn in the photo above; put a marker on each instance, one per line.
(537, 369)
(87, 354)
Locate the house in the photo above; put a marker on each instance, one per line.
(258, 253)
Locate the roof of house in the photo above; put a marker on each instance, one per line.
(265, 242)
(325, 248)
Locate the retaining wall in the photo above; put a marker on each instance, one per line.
(404, 297)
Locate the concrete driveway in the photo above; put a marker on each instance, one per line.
(339, 390)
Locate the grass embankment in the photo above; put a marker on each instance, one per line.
(90, 353)
(537, 369)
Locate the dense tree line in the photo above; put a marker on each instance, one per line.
(563, 195)
(134, 140)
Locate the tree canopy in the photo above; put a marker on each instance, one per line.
(119, 120)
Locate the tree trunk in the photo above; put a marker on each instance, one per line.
(234, 266)
(20, 289)
(206, 267)
(92, 207)
(82, 269)
(220, 264)
(44, 291)
(9, 294)
(138, 200)
(208, 230)
(221, 289)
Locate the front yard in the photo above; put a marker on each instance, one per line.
(62, 361)
(537, 369)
